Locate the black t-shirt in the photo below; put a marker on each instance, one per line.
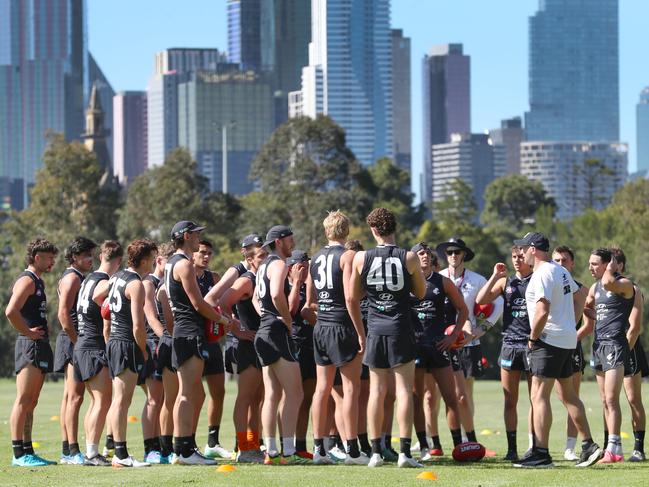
(516, 322)
(73, 310)
(121, 319)
(328, 281)
(205, 282)
(428, 313)
(613, 311)
(34, 311)
(188, 322)
(270, 317)
(388, 285)
(91, 324)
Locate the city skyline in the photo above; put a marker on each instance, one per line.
(205, 25)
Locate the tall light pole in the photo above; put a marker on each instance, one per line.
(224, 152)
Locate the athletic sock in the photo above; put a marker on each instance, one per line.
(156, 443)
(17, 447)
(120, 450)
(543, 451)
(606, 437)
(74, 449)
(365, 443)
(28, 447)
(271, 446)
(437, 444)
(166, 445)
(288, 446)
(423, 441)
(193, 439)
(456, 435)
(183, 445)
(470, 436)
(300, 444)
(92, 450)
(213, 435)
(639, 440)
(318, 446)
(511, 441)
(404, 445)
(376, 446)
(388, 442)
(571, 443)
(585, 444)
(530, 441)
(352, 448)
(338, 441)
(65, 448)
(242, 441)
(614, 444)
(110, 443)
(148, 445)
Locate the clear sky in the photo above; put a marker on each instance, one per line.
(124, 35)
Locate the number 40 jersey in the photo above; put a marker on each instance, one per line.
(388, 284)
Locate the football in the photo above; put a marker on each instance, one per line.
(105, 310)
(458, 340)
(213, 331)
(468, 452)
(482, 311)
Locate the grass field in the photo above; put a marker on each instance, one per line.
(489, 472)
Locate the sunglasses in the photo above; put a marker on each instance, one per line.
(454, 252)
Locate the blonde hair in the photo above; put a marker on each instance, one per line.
(336, 225)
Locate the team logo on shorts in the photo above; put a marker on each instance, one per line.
(386, 297)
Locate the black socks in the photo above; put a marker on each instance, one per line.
(213, 435)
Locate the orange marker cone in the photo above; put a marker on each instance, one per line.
(132, 419)
(225, 468)
(427, 476)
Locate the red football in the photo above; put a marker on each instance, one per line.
(468, 452)
(482, 311)
(213, 331)
(105, 310)
(460, 336)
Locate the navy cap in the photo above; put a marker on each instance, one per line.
(277, 232)
(252, 239)
(421, 246)
(534, 239)
(298, 256)
(185, 226)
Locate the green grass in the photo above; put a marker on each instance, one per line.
(489, 472)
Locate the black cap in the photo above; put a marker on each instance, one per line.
(185, 226)
(534, 239)
(278, 231)
(297, 256)
(456, 243)
(421, 246)
(252, 239)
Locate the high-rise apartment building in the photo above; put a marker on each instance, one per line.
(244, 21)
(578, 175)
(509, 135)
(43, 82)
(129, 135)
(349, 76)
(642, 132)
(401, 117)
(446, 86)
(574, 71)
(238, 103)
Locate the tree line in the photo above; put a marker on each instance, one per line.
(304, 170)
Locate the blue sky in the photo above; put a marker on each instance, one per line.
(124, 35)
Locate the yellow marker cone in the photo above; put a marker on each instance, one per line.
(624, 435)
(225, 468)
(486, 432)
(427, 476)
(36, 444)
(132, 419)
(54, 418)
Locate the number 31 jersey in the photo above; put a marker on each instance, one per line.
(388, 285)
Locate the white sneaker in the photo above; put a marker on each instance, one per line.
(196, 458)
(570, 455)
(415, 447)
(322, 459)
(376, 460)
(128, 462)
(362, 459)
(425, 455)
(337, 454)
(217, 451)
(153, 457)
(408, 462)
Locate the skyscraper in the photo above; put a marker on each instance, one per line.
(43, 80)
(349, 76)
(446, 101)
(244, 20)
(642, 131)
(574, 71)
(401, 99)
(510, 135)
(238, 103)
(129, 135)
(173, 66)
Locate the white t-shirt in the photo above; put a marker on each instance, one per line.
(554, 283)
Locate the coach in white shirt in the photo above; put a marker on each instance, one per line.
(553, 337)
